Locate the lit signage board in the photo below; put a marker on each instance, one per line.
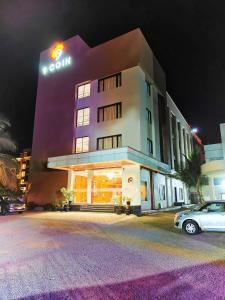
(60, 60)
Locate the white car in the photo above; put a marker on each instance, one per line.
(206, 217)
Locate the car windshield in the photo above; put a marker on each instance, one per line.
(197, 207)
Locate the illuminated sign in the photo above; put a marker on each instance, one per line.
(61, 61)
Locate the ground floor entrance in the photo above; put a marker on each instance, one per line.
(117, 177)
(103, 186)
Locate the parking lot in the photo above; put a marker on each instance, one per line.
(54, 255)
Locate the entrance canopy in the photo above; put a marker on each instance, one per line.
(106, 158)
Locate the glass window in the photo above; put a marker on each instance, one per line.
(150, 146)
(148, 87)
(84, 90)
(109, 112)
(214, 207)
(82, 144)
(149, 116)
(109, 142)
(162, 192)
(106, 186)
(109, 83)
(83, 117)
(181, 194)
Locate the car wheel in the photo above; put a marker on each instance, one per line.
(191, 227)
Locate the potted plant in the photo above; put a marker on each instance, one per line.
(65, 203)
(118, 205)
(128, 207)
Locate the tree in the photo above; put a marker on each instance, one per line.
(191, 175)
(8, 164)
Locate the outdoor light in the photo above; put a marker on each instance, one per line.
(194, 130)
(110, 175)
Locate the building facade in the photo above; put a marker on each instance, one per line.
(24, 169)
(106, 128)
(214, 168)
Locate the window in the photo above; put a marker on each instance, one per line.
(109, 142)
(214, 207)
(181, 194)
(109, 83)
(162, 192)
(150, 146)
(83, 117)
(23, 174)
(23, 166)
(82, 144)
(149, 116)
(148, 87)
(110, 112)
(83, 90)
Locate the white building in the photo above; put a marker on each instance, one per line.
(214, 168)
(118, 138)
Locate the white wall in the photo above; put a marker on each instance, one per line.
(131, 189)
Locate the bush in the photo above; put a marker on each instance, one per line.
(31, 205)
(50, 207)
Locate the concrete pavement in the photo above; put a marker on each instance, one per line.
(53, 255)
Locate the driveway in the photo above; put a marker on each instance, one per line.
(54, 255)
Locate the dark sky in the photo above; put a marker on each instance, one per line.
(187, 37)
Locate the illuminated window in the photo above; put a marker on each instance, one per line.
(150, 146)
(109, 142)
(110, 112)
(23, 174)
(83, 117)
(82, 144)
(109, 83)
(23, 166)
(83, 90)
(22, 181)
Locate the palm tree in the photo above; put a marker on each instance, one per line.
(8, 164)
(191, 175)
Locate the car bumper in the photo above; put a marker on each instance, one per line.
(178, 224)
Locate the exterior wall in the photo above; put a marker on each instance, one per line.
(131, 189)
(55, 128)
(128, 125)
(146, 204)
(183, 142)
(24, 168)
(214, 169)
(54, 115)
(213, 152)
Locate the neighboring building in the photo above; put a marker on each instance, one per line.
(214, 168)
(105, 126)
(24, 168)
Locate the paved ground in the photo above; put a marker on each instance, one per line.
(105, 256)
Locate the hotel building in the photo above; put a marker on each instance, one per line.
(214, 169)
(23, 170)
(106, 128)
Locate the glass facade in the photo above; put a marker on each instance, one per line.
(106, 186)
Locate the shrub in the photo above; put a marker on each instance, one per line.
(50, 207)
(31, 205)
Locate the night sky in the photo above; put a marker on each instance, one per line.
(187, 37)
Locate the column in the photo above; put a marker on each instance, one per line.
(89, 183)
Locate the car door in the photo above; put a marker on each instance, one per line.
(213, 216)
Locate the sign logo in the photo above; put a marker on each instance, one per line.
(57, 51)
(57, 54)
